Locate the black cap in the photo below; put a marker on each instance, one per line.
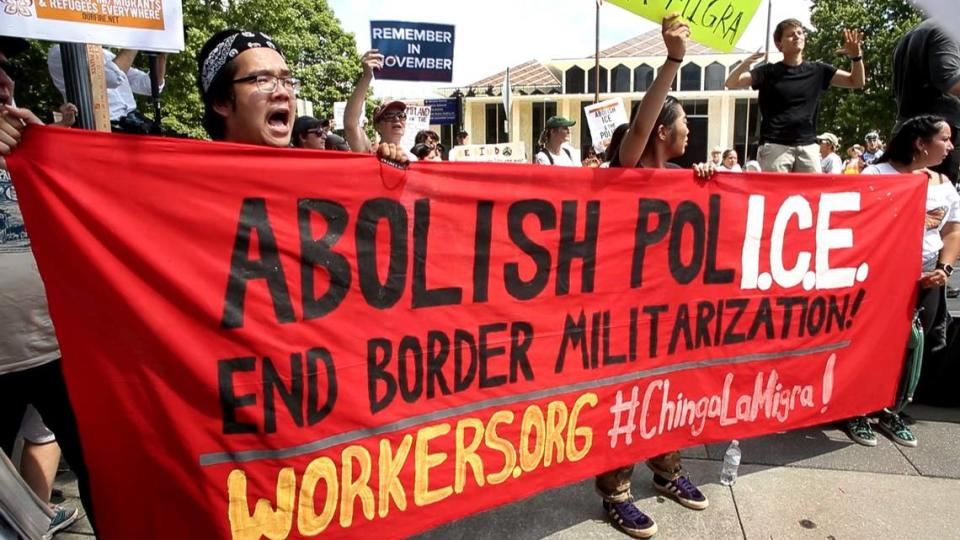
(301, 125)
(12, 46)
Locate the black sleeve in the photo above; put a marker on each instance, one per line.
(827, 72)
(759, 75)
(944, 55)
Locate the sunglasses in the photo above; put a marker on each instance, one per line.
(11, 70)
(390, 117)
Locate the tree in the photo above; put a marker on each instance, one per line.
(850, 114)
(318, 51)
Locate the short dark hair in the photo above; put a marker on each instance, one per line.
(728, 152)
(784, 26)
(421, 150)
(220, 90)
(425, 134)
(900, 148)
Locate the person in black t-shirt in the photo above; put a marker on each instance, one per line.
(789, 95)
(926, 80)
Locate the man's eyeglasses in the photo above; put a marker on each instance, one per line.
(319, 132)
(268, 83)
(390, 117)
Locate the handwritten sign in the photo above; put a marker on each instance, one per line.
(603, 118)
(718, 24)
(514, 152)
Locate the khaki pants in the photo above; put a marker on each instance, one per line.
(786, 159)
(614, 486)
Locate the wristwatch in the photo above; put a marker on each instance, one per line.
(947, 268)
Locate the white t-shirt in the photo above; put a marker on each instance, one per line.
(832, 164)
(943, 196)
(562, 160)
(120, 86)
(735, 168)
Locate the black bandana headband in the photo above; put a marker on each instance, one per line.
(228, 49)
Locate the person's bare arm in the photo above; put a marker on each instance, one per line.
(741, 77)
(675, 34)
(857, 76)
(355, 136)
(124, 59)
(950, 233)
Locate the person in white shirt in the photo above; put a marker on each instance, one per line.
(730, 161)
(918, 144)
(555, 134)
(830, 162)
(123, 81)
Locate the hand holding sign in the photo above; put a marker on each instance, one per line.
(676, 32)
(370, 61)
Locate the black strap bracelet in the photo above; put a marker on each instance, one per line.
(677, 60)
(856, 58)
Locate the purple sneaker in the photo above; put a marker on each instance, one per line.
(629, 519)
(683, 490)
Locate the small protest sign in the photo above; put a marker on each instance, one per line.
(151, 25)
(338, 109)
(443, 112)
(514, 152)
(418, 119)
(718, 24)
(603, 118)
(414, 51)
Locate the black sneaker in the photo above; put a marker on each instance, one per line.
(683, 490)
(629, 519)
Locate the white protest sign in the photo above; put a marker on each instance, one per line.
(603, 118)
(339, 107)
(418, 119)
(515, 152)
(146, 25)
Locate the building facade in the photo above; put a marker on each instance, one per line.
(539, 90)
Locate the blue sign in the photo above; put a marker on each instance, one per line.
(413, 51)
(443, 112)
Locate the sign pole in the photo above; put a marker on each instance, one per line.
(76, 77)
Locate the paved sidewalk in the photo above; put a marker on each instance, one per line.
(811, 483)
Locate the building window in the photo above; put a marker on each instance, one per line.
(541, 112)
(495, 118)
(585, 137)
(574, 81)
(673, 85)
(592, 80)
(695, 107)
(690, 78)
(642, 78)
(746, 128)
(716, 76)
(621, 79)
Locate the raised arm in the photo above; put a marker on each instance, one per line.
(857, 76)
(741, 77)
(356, 138)
(675, 34)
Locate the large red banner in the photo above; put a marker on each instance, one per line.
(285, 343)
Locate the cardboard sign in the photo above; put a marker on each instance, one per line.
(717, 24)
(314, 344)
(414, 51)
(338, 109)
(515, 152)
(148, 25)
(603, 118)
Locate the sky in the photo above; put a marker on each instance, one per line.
(492, 35)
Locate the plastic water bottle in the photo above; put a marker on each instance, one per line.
(731, 462)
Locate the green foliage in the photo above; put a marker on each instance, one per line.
(318, 51)
(850, 114)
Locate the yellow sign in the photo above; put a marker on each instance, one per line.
(714, 23)
(126, 13)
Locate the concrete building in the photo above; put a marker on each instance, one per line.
(717, 117)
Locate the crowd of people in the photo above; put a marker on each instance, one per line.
(248, 93)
